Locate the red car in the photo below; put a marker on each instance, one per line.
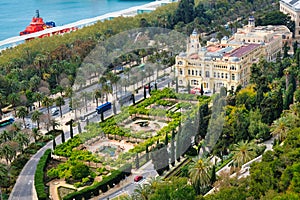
(138, 178)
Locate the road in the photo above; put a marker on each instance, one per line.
(24, 188)
(147, 171)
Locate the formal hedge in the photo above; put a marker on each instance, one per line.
(39, 175)
(94, 190)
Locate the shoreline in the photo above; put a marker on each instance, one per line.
(129, 12)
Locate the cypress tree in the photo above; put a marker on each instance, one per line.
(213, 177)
(79, 128)
(102, 117)
(149, 88)
(176, 85)
(114, 108)
(172, 155)
(166, 139)
(178, 145)
(202, 92)
(62, 137)
(147, 153)
(137, 161)
(145, 94)
(133, 99)
(54, 143)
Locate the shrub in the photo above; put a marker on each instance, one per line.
(39, 175)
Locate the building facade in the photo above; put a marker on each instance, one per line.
(227, 63)
(292, 8)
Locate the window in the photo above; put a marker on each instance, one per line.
(192, 72)
(207, 74)
(180, 71)
(222, 75)
(226, 76)
(232, 77)
(215, 74)
(194, 82)
(196, 72)
(200, 73)
(189, 72)
(180, 82)
(179, 63)
(218, 74)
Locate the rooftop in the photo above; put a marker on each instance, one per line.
(292, 3)
(239, 52)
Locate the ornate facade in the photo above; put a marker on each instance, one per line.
(227, 63)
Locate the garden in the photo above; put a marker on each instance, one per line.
(97, 154)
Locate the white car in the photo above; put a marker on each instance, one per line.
(54, 111)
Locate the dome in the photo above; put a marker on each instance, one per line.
(213, 40)
(194, 32)
(235, 59)
(182, 54)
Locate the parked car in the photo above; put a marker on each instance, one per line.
(151, 85)
(54, 111)
(138, 178)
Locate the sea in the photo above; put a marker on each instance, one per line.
(15, 15)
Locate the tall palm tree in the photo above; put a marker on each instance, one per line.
(243, 152)
(85, 96)
(22, 112)
(14, 100)
(199, 173)
(97, 95)
(47, 102)
(36, 117)
(70, 93)
(54, 123)
(38, 96)
(59, 101)
(36, 134)
(6, 136)
(23, 140)
(2, 98)
(280, 127)
(8, 151)
(106, 89)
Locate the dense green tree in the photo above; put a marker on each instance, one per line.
(79, 171)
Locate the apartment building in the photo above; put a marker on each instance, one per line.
(292, 8)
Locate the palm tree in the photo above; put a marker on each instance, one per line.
(2, 97)
(97, 95)
(36, 117)
(59, 101)
(6, 136)
(199, 173)
(69, 93)
(54, 124)
(243, 152)
(279, 128)
(85, 96)
(48, 102)
(8, 151)
(22, 112)
(106, 89)
(142, 192)
(38, 96)
(23, 140)
(14, 100)
(35, 133)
